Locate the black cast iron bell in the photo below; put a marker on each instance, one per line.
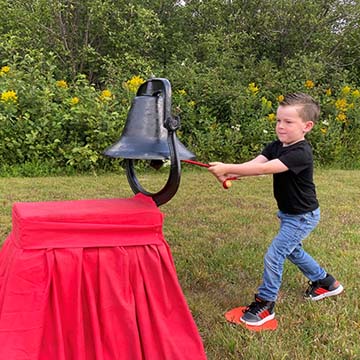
(150, 134)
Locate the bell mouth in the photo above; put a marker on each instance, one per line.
(149, 149)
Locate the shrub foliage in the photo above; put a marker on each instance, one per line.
(69, 72)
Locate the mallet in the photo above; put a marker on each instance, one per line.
(226, 183)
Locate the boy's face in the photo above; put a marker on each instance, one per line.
(290, 127)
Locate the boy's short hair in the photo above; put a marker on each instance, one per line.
(310, 109)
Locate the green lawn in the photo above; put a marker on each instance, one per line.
(218, 239)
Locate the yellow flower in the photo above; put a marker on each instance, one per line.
(9, 96)
(253, 88)
(266, 103)
(323, 130)
(341, 117)
(62, 84)
(182, 92)
(280, 98)
(271, 117)
(341, 104)
(75, 100)
(346, 90)
(356, 93)
(4, 70)
(328, 92)
(134, 83)
(192, 103)
(106, 95)
(309, 84)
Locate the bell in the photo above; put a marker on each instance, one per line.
(150, 134)
(145, 136)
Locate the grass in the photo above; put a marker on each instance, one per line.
(218, 239)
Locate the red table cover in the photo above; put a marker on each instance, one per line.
(92, 279)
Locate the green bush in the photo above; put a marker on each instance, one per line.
(48, 119)
(232, 121)
(66, 124)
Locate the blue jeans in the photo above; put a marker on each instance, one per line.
(288, 244)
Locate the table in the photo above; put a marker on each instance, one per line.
(92, 279)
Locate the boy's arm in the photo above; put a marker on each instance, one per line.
(258, 159)
(258, 166)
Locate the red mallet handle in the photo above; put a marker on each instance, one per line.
(226, 183)
(193, 162)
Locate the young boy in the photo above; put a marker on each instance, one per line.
(290, 160)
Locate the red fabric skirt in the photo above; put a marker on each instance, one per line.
(92, 279)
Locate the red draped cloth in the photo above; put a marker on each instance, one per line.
(92, 280)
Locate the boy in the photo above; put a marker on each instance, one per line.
(290, 161)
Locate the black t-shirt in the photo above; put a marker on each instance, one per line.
(294, 189)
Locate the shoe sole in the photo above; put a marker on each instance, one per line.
(337, 291)
(258, 323)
